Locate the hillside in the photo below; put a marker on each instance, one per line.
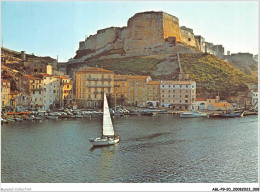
(213, 75)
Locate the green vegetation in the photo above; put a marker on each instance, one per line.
(214, 75)
(127, 66)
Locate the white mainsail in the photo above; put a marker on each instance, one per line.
(108, 129)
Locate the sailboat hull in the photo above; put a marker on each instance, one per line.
(103, 142)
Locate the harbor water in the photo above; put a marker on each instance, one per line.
(162, 148)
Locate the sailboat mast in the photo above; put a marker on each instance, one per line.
(115, 101)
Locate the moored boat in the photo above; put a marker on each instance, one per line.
(231, 113)
(192, 114)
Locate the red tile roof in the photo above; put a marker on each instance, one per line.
(62, 77)
(4, 81)
(46, 75)
(154, 83)
(31, 77)
(200, 99)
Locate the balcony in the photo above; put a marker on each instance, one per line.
(36, 89)
(99, 86)
(105, 79)
(93, 79)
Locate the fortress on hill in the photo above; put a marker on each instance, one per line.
(146, 33)
(149, 33)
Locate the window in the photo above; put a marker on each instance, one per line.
(169, 91)
(186, 101)
(180, 96)
(39, 92)
(163, 86)
(180, 85)
(186, 96)
(33, 92)
(186, 86)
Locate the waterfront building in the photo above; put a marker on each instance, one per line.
(48, 90)
(121, 86)
(178, 94)
(22, 102)
(213, 100)
(57, 92)
(91, 83)
(34, 86)
(137, 90)
(220, 106)
(200, 104)
(66, 87)
(252, 99)
(5, 92)
(153, 93)
(13, 101)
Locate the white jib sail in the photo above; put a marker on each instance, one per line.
(108, 129)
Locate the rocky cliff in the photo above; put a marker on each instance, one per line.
(147, 33)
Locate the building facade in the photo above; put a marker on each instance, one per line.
(66, 91)
(91, 83)
(153, 93)
(5, 92)
(121, 86)
(137, 90)
(178, 94)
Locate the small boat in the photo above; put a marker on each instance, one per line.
(37, 118)
(192, 114)
(18, 119)
(79, 116)
(52, 117)
(4, 121)
(231, 114)
(108, 136)
(10, 120)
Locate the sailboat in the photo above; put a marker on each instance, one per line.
(108, 136)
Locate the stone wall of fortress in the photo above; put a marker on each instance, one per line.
(188, 37)
(144, 32)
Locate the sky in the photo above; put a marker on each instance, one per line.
(51, 28)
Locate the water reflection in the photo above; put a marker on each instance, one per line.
(163, 148)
